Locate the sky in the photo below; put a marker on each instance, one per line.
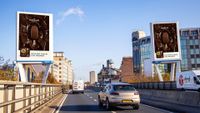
(91, 31)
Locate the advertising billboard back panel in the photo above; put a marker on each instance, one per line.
(34, 37)
(165, 41)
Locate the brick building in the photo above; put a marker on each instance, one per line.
(126, 68)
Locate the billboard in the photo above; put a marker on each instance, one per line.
(34, 37)
(165, 41)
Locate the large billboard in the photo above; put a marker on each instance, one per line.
(165, 41)
(34, 37)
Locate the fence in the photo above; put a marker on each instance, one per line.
(167, 85)
(26, 97)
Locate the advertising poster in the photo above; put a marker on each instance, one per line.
(166, 41)
(34, 37)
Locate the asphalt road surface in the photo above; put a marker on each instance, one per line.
(88, 103)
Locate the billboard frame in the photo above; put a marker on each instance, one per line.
(49, 52)
(48, 60)
(160, 60)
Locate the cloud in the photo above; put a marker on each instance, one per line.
(71, 11)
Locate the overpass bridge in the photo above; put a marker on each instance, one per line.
(16, 97)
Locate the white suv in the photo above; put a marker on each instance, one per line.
(119, 94)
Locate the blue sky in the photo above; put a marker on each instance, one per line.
(92, 31)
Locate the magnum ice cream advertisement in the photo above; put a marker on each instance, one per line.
(34, 36)
(166, 41)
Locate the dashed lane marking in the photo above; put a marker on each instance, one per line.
(95, 100)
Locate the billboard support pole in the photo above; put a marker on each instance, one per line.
(22, 73)
(45, 76)
(178, 66)
(159, 74)
(172, 72)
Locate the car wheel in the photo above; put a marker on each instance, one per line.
(107, 105)
(99, 102)
(136, 107)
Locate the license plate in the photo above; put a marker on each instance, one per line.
(127, 101)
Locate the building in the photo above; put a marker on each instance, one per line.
(108, 72)
(62, 68)
(70, 72)
(126, 66)
(93, 77)
(190, 48)
(54, 71)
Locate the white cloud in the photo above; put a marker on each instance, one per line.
(71, 11)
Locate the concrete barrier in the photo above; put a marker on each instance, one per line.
(180, 101)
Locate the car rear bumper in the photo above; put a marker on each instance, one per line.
(77, 90)
(124, 102)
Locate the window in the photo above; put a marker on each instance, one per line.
(192, 61)
(60, 59)
(197, 51)
(193, 66)
(59, 63)
(192, 42)
(196, 42)
(197, 46)
(185, 33)
(60, 72)
(192, 56)
(191, 46)
(198, 60)
(60, 68)
(192, 51)
(194, 33)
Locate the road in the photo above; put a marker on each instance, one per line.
(88, 103)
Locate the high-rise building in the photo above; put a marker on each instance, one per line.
(64, 74)
(190, 48)
(142, 52)
(93, 77)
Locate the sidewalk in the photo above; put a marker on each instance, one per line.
(53, 106)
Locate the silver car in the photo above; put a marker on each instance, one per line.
(119, 94)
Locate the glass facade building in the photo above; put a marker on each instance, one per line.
(142, 50)
(190, 50)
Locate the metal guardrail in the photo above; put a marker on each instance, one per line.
(167, 85)
(26, 97)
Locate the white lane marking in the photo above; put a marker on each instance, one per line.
(63, 100)
(90, 97)
(95, 100)
(159, 109)
(113, 112)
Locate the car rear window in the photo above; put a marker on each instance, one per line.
(123, 88)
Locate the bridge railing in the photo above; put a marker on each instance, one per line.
(26, 97)
(167, 85)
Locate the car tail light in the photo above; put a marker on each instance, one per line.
(136, 93)
(114, 93)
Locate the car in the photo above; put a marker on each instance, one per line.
(119, 94)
